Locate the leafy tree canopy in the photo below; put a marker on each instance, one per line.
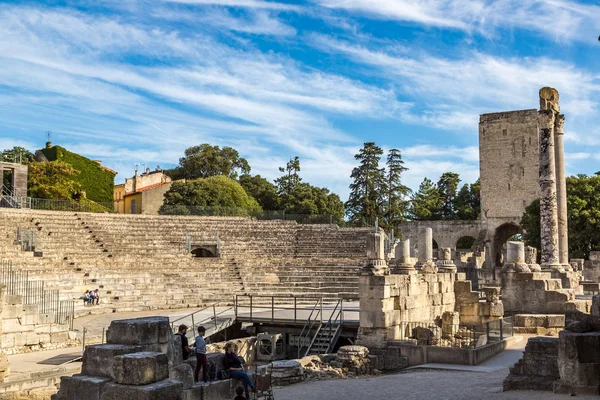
(262, 190)
(447, 186)
(583, 202)
(17, 155)
(467, 204)
(214, 191)
(396, 206)
(52, 180)
(206, 160)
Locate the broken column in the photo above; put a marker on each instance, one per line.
(376, 264)
(548, 200)
(425, 264)
(404, 264)
(561, 191)
(446, 264)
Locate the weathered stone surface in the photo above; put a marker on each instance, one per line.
(596, 305)
(219, 390)
(579, 362)
(81, 387)
(537, 369)
(163, 390)
(182, 373)
(98, 359)
(139, 331)
(141, 368)
(576, 321)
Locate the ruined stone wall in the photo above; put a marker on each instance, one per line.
(591, 270)
(445, 233)
(386, 302)
(508, 162)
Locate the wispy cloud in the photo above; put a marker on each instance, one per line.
(270, 5)
(558, 20)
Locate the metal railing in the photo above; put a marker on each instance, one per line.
(8, 198)
(333, 328)
(181, 209)
(214, 323)
(311, 329)
(56, 205)
(28, 240)
(18, 283)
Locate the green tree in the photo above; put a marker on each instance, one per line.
(262, 190)
(530, 223)
(17, 155)
(447, 186)
(467, 204)
(583, 202)
(206, 160)
(366, 200)
(426, 202)
(220, 194)
(397, 205)
(287, 183)
(52, 180)
(311, 200)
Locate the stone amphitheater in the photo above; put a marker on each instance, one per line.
(140, 262)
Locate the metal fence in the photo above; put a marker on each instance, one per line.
(18, 283)
(56, 205)
(457, 336)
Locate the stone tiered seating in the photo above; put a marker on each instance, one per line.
(139, 262)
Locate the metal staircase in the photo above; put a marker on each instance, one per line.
(320, 335)
(8, 198)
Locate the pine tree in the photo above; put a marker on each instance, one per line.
(426, 202)
(368, 185)
(448, 186)
(287, 183)
(397, 205)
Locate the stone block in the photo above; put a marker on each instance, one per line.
(59, 337)
(140, 368)
(163, 390)
(81, 387)
(193, 393)
(13, 300)
(139, 331)
(219, 390)
(98, 359)
(182, 373)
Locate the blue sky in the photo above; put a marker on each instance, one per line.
(138, 81)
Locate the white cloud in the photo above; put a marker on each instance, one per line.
(559, 20)
(271, 5)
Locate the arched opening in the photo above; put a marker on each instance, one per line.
(465, 243)
(202, 252)
(503, 233)
(434, 245)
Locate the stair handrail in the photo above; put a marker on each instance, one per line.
(310, 325)
(335, 318)
(211, 318)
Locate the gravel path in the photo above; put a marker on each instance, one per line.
(416, 384)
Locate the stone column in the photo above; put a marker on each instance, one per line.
(548, 203)
(426, 251)
(561, 190)
(446, 264)
(515, 252)
(376, 264)
(403, 263)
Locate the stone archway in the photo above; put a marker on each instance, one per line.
(465, 243)
(203, 252)
(501, 236)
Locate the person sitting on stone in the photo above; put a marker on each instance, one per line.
(91, 297)
(185, 347)
(239, 391)
(233, 365)
(86, 298)
(96, 297)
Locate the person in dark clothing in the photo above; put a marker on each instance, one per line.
(239, 391)
(201, 361)
(185, 346)
(232, 363)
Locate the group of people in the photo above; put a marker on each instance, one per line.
(232, 364)
(91, 297)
